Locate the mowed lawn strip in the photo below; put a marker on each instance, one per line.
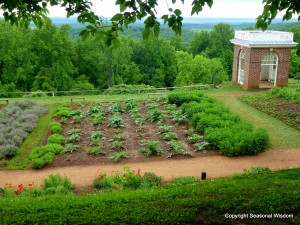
(281, 135)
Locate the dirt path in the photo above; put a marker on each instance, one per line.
(214, 166)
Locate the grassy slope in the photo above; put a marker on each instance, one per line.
(281, 135)
(202, 202)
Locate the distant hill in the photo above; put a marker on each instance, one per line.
(190, 26)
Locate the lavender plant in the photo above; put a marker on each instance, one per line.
(17, 120)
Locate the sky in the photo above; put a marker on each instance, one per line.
(220, 9)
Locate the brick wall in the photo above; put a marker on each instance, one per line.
(253, 57)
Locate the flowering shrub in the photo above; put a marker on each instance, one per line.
(17, 120)
(53, 184)
(127, 179)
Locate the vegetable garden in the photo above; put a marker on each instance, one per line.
(186, 124)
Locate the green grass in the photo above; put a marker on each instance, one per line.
(294, 83)
(281, 135)
(193, 202)
(21, 160)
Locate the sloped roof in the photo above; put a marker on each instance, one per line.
(262, 39)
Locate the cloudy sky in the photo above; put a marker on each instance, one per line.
(220, 8)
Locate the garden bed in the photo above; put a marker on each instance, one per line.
(130, 138)
(280, 108)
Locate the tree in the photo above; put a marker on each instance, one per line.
(200, 42)
(23, 12)
(295, 64)
(199, 70)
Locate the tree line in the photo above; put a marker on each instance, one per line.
(48, 59)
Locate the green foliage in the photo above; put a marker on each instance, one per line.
(288, 93)
(56, 180)
(115, 108)
(41, 156)
(224, 130)
(152, 148)
(96, 150)
(177, 149)
(95, 110)
(116, 156)
(180, 97)
(115, 121)
(199, 70)
(261, 193)
(56, 139)
(127, 179)
(63, 111)
(155, 116)
(55, 128)
(70, 148)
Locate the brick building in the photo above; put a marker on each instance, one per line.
(261, 59)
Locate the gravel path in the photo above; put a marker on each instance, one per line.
(214, 166)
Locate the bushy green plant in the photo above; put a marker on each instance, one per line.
(131, 104)
(155, 116)
(97, 134)
(97, 119)
(55, 128)
(96, 110)
(63, 111)
(180, 97)
(127, 179)
(70, 148)
(152, 148)
(116, 156)
(56, 139)
(164, 129)
(56, 180)
(170, 136)
(115, 121)
(96, 150)
(178, 117)
(73, 138)
(47, 158)
(232, 143)
(41, 156)
(115, 108)
(177, 149)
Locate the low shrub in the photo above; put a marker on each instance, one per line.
(55, 128)
(127, 179)
(56, 139)
(56, 180)
(238, 140)
(63, 111)
(180, 97)
(41, 156)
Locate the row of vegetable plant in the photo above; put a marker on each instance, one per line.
(222, 129)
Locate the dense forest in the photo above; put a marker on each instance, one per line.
(51, 59)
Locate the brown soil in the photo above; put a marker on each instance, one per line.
(132, 137)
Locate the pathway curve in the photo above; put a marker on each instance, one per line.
(214, 166)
